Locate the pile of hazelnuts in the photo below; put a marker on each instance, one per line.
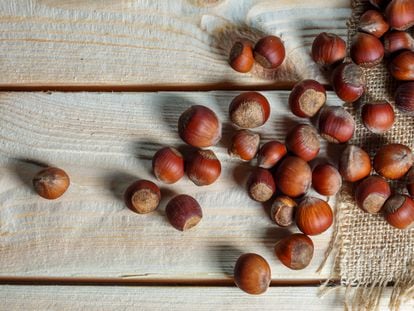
(392, 162)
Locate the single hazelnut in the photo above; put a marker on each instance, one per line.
(336, 124)
(142, 196)
(199, 126)
(307, 98)
(203, 167)
(378, 117)
(313, 216)
(270, 154)
(168, 165)
(354, 163)
(366, 50)
(328, 49)
(303, 141)
(183, 212)
(393, 161)
(326, 179)
(244, 145)
(51, 182)
(295, 251)
(399, 211)
(372, 193)
(241, 57)
(261, 185)
(252, 274)
(283, 211)
(269, 52)
(348, 82)
(293, 176)
(249, 110)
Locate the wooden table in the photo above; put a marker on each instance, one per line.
(86, 250)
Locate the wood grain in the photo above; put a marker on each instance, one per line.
(172, 298)
(105, 141)
(53, 44)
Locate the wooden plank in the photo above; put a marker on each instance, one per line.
(172, 298)
(127, 45)
(104, 141)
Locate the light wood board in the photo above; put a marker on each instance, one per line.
(104, 141)
(172, 298)
(153, 44)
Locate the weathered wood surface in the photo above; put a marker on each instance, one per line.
(171, 298)
(154, 44)
(104, 141)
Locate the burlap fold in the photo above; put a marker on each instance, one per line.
(370, 254)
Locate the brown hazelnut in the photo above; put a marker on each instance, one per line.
(51, 182)
(261, 185)
(336, 124)
(295, 251)
(328, 49)
(168, 165)
(354, 164)
(378, 117)
(293, 176)
(393, 161)
(249, 110)
(203, 167)
(244, 145)
(313, 216)
(142, 196)
(303, 141)
(402, 66)
(241, 57)
(348, 82)
(252, 274)
(269, 52)
(199, 126)
(373, 22)
(326, 179)
(399, 211)
(307, 98)
(270, 154)
(183, 212)
(283, 211)
(366, 50)
(372, 193)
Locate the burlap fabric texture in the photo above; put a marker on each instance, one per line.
(370, 254)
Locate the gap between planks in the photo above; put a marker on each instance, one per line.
(205, 87)
(5, 280)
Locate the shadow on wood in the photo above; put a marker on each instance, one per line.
(225, 257)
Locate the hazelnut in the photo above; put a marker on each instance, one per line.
(354, 164)
(51, 182)
(142, 196)
(295, 251)
(199, 126)
(372, 193)
(183, 212)
(261, 185)
(244, 145)
(303, 141)
(283, 211)
(326, 179)
(393, 161)
(249, 110)
(252, 274)
(307, 98)
(293, 176)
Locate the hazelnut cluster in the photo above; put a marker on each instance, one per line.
(269, 52)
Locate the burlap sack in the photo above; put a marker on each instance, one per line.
(369, 253)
